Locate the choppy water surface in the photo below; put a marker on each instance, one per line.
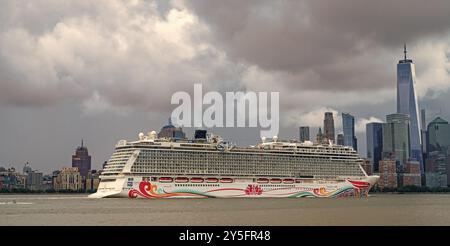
(379, 209)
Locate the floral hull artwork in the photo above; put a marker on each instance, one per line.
(150, 190)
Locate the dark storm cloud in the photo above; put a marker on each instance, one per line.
(329, 39)
(107, 69)
(118, 52)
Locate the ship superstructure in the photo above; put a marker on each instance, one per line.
(207, 166)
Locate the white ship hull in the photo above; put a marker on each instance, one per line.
(199, 187)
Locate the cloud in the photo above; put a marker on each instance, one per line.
(327, 45)
(360, 125)
(122, 52)
(432, 60)
(136, 54)
(314, 118)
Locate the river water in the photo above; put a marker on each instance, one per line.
(378, 209)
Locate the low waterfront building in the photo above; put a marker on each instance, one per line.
(34, 181)
(436, 169)
(47, 182)
(388, 174)
(367, 166)
(92, 181)
(12, 180)
(411, 174)
(33, 178)
(69, 178)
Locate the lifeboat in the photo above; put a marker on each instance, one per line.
(212, 180)
(226, 180)
(288, 181)
(275, 181)
(196, 180)
(181, 180)
(166, 180)
(262, 180)
(298, 180)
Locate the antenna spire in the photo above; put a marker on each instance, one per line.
(81, 143)
(404, 50)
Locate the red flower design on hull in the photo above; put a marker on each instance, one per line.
(253, 190)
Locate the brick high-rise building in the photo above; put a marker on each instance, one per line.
(411, 174)
(328, 127)
(82, 160)
(388, 174)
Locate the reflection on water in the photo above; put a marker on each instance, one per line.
(379, 209)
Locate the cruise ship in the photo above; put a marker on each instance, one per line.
(209, 167)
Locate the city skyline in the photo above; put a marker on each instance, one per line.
(65, 77)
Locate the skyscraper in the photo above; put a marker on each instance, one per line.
(319, 136)
(348, 125)
(171, 132)
(396, 140)
(439, 143)
(423, 133)
(374, 134)
(438, 135)
(82, 160)
(407, 104)
(304, 133)
(340, 139)
(328, 126)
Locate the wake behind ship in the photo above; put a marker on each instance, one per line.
(206, 166)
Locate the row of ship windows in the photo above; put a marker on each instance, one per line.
(271, 151)
(238, 162)
(227, 172)
(197, 185)
(279, 185)
(242, 167)
(233, 157)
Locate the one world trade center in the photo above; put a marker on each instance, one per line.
(407, 104)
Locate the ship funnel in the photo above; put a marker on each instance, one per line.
(152, 135)
(200, 134)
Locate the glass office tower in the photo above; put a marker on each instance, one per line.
(407, 104)
(348, 126)
(304, 133)
(396, 138)
(374, 136)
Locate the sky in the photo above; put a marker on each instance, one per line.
(105, 70)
